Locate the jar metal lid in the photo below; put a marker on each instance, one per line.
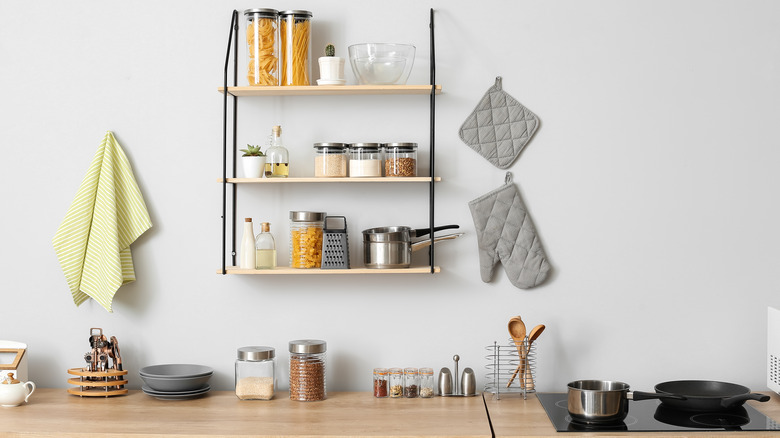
(338, 146)
(265, 12)
(307, 216)
(296, 13)
(401, 147)
(367, 147)
(256, 353)
(308, 346)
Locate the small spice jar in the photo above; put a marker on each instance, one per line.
(307, 370)
(400, 159)
(411, 383)
(306, 239)
(365, 160)
(255, 378)
(380, 382)
(330, 160)
(426, 382)
(396, 383)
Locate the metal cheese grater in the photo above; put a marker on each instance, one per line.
(335, 248)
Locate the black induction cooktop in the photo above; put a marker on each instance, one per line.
(652, 416)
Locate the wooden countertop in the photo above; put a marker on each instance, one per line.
(511, 416)
(55, 413)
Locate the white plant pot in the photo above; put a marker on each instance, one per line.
(254, 167)
(331, 68)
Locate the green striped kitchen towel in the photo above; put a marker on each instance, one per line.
(107, 215)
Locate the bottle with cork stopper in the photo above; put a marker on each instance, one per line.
(265, 247)
(278, 162)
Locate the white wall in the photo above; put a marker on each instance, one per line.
(651, 181)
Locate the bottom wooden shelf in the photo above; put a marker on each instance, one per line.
(286, 270)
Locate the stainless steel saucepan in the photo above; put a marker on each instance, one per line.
(392, 247)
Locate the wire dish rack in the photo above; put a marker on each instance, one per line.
(507, 372)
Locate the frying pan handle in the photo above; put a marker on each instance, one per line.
(640, 395)
(425, 231)
(731, 401)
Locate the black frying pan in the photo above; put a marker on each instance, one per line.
(706, 395)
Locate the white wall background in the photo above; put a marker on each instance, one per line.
(652, 182)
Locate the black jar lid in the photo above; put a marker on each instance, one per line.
(401, 147)
(263, 12)
(256, 353)
(296, 13)
(365, 147)
(335, 146)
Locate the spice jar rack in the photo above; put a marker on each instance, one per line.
(234, 92)
(503, 362)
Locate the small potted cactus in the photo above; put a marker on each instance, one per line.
(331, 67)
(253, 162)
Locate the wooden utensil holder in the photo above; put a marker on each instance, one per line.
(97, 383)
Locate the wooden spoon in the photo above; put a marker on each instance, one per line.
(527, 376)
(517, 332)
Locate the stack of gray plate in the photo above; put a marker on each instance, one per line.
(175, 381)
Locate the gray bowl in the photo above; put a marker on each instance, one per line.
(175, 370)
(181, 384)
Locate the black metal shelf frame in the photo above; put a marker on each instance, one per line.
(233, 44)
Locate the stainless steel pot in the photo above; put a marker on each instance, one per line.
(392, 247)
(604, 401)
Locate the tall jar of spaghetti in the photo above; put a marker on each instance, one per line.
(295, 33)
(262, 41)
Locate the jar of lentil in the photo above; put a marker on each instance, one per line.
(396, 381)
(380, 382)
(330, 160)
(255, 378)
(426, 382)
(306, 239)
(400, 159)
(365, 160)
(307, 370)
(411, 383)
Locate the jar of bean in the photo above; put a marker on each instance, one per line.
(306, 239)
(400, 159)
(426, 382)
(365, 160)
(396, 380)
(307, 370)
(411, 383)
(330, 160)
(380, 382)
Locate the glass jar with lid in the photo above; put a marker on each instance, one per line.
(306, 239)
(400, 159)
(255, 378)
(262, 40)
(426, 382)
(307, 370)
(365, 160)
(295, 35)
(330, 160)
(396, 381)
(380, 382)
(411, 382)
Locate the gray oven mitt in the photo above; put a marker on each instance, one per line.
(499, 127)
(506, 233)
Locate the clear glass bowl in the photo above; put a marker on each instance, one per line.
(381, 63)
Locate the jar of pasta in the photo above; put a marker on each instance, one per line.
(330, 159)
(365, 160)
(262, 41)
(400, 159)
(295, 34)
(306, 239)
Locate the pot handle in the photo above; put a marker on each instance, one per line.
(425, 231)
(424, 243)
(731, 401)
(640, 395)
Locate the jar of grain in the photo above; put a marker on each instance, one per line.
(411, 382)
(380, 382)
(426, 382)
(396, 380)
(255, 378)
(365, 160)
(307, 370)
(306, 239)
(330, 160)
(400, 159)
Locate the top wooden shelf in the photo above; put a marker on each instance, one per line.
(326, 90)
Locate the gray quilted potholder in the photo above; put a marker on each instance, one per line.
(499, 127)
(506, 233)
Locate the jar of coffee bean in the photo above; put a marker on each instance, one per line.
(400, 159)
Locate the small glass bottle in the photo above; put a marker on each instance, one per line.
(396, 383)
(265, 248)
(255, 377)
(277, 163)
(330, 160)
(411, 383)
(306, 235)
(247, 258)
(307, 370)
(380, 382)
(365, 160)
(426, 382)
(401, 159)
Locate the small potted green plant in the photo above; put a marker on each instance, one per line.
(253, 161)
(331, 67)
